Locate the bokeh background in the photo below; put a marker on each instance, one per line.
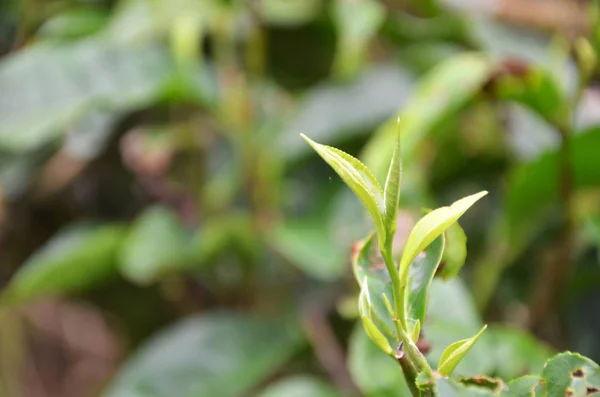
(165, 231)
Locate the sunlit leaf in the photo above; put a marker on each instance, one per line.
(430, 227)
(288, 12)
(455, 352)
(75, 259)
(200, 356)
(358, 177)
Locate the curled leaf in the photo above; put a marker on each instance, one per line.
(455, 352)
(376, 335)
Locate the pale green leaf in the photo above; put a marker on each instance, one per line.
(392, 190)
(416, 331)
(455, 352)
(358, 177)
(430, 227)
(455, 252)
(376, 336)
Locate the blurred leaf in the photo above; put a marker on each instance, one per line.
(358, 177)
(513, 352)
(470, 387)
(455, 352)
(430, 227)
(143, 20)
(531, 194)
(443, 91)
(156, 244)
(538, 90)
(299, 386)
(73, 24)
(309, 245)
(90, 135)
(455, 252)
(217, 354)
(357, 22)
(392, 191)
(76, 258)
(44, 88)
(331, 113)
(288, 12)
(422, 270)
(374, 373)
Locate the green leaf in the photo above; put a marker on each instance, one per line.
(442, 92)
(358, 177)
(531, 194)
(452, 388)
(430, 227)
(372, 276)
(422, 271)
(77, 258)
(392, 191)
(376, 336)
(416, 331)
(374, 373)
(288, 12)
(308, 245)
(455, 352)
(157, 244)
(357, 23)
(569, 372)
(200, 356)
(73, 24)
(522, 387)
(538, 90)
(300, 386)
(455, 252)
(34, 109)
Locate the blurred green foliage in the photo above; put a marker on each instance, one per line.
(152, 172)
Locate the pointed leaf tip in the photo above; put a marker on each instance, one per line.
(455, 352)
(430, 227)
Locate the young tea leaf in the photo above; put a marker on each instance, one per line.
(455, 252)
(455, 352)
(376, 336)
(430, 227)
(358, 177)
(422, 270)
(392, 190)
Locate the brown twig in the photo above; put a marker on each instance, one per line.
(554, 275)
(328, 350)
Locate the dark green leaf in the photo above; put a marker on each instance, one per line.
(156, 244)
(222, 354)
(422, 270)
(75, 259)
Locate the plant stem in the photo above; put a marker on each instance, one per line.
(412, 362)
